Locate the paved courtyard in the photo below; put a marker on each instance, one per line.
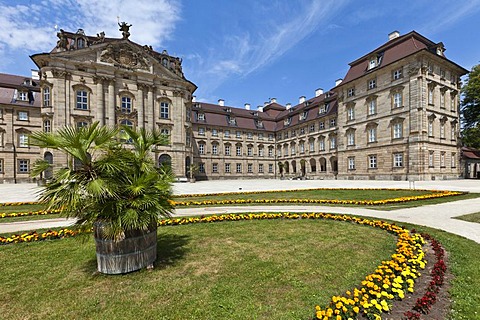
(440, 216)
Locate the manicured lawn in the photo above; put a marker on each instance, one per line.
(473, 217)
(232, 270)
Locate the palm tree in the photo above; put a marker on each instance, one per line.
(113, 187)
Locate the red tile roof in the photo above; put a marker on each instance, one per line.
(392, 51)
(9, 83)
(470, 153)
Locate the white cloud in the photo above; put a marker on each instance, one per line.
(442, 18)
(272, 31)
(31, 27)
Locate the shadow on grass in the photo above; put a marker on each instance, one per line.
(170, 249)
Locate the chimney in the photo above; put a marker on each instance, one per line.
(221, 102)
(393, 35)
(260, 108)
(318, 92)
(273, 100)
(247, 106)
(301, 99)
(194, 98)
(288, 106)
(35, 75)
(338, 81)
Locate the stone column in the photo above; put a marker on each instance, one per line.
(111, 104)
(100, 108)
(68, 104)
(140, 106)
(150, 109)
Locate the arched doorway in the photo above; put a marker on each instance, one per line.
(334, 164)
(323, 165)
(287, 167)
(294, 166)
(303, 167)
(165, 161)
(313, 165)
(48, 156)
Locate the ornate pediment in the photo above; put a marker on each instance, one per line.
(125, 56)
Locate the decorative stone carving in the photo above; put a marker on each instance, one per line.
(123, 56)
(127, 116)
(125, 28)
(100, 38)
(62, 40)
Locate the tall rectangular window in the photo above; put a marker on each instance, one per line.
(350, 113)
(250, 168)
(214, 149)
(372, 134)
(270, 168)
(239, 150)
(431, 158)
(372, 161)
(351, 163)
(23, 140)
(164, 110)
(126, 104)
(260, 168)
(226, 133)
(260, 152)
(238, 134)
(442, 130)
(214, 167)
(312, 146)
(47, 125)
(227, 168)
(351, 138)
(239, 168)
(270, 151)
(397, 130)
(1, 165)
(227, 150)
(214, 133)
(82, 100)
(398, 159)
(453, 160)
(372, 106)
(442, 159)
(46, 96)
(201, 148)
(372, 84)
(430, 95)
(430, 128)
(249, 151)
(397, 100)
(333, 142)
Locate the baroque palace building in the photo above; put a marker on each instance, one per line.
(395, 115)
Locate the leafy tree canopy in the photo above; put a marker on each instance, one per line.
(471, 99)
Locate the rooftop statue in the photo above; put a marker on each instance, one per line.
(125, 28)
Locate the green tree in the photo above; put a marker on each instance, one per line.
(471, 109)
(105, 180)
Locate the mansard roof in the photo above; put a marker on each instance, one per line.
(216, 115)
(11, 84)
(395, 50)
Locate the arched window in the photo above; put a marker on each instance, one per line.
(127, 123)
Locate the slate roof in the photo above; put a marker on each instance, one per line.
(9, 83)
(392, 51)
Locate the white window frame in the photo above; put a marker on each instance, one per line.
(398, 159)
(23, 115)
(165, 110)
(227, 168)
(201, 148)
(126, 104)
(351, 163)
(397, 130)
(82, 100)
(23, 140)
(372, 161)
(238, 168)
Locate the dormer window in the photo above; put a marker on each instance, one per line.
(22, 96)
(372, 64)
(200, 117)
(351, 92)
(259, 124)
(303, 115)
(231, 120)
(80, 43)
(324, 108)
(287, 121)
(27, 82)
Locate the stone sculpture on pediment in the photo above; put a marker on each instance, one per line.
(124, 56)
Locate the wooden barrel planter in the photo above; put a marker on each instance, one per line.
(137, 251)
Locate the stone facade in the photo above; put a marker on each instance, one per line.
(394, 116)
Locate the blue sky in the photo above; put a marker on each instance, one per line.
(246, 51)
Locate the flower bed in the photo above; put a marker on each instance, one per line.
(28, 213)
(391, 279)
(439, 194)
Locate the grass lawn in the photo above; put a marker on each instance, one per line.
(263, 269)
(340, 194)
(473, 217)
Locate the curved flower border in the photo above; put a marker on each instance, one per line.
(391, 279)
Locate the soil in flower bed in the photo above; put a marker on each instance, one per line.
(440, 309)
